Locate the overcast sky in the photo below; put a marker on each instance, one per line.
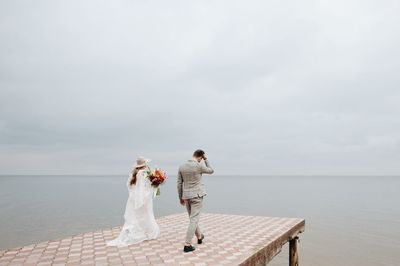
(265, 87)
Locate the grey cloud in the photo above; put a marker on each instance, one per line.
(265, 87)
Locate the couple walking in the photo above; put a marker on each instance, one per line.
(140, 223)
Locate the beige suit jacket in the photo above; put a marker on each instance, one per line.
(189, 181)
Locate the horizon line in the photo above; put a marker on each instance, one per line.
(283, 175)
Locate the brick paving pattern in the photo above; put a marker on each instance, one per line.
(229, 240)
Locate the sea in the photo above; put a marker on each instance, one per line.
(350, 220)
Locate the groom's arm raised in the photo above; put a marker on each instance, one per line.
(179, 186)
(207, 169)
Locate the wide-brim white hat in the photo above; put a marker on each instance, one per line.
(141, 161)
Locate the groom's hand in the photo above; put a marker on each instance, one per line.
(182, 201)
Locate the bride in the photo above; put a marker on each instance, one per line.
(140, 223)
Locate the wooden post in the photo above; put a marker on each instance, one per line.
(293, 253)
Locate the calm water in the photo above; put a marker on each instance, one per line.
(349, 220)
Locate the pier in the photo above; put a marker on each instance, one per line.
(229, 240)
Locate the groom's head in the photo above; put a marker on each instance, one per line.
(198, 155)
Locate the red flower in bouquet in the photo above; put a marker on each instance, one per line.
(157, 177)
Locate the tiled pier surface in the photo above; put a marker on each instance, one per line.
(229, 240)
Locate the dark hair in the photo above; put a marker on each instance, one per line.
(198, 153)
(133, 175)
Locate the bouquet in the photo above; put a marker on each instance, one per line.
(157, 177)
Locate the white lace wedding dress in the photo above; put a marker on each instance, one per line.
(140, 223)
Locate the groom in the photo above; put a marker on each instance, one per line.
(191, 192)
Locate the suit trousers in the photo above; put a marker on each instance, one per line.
(193, 207)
